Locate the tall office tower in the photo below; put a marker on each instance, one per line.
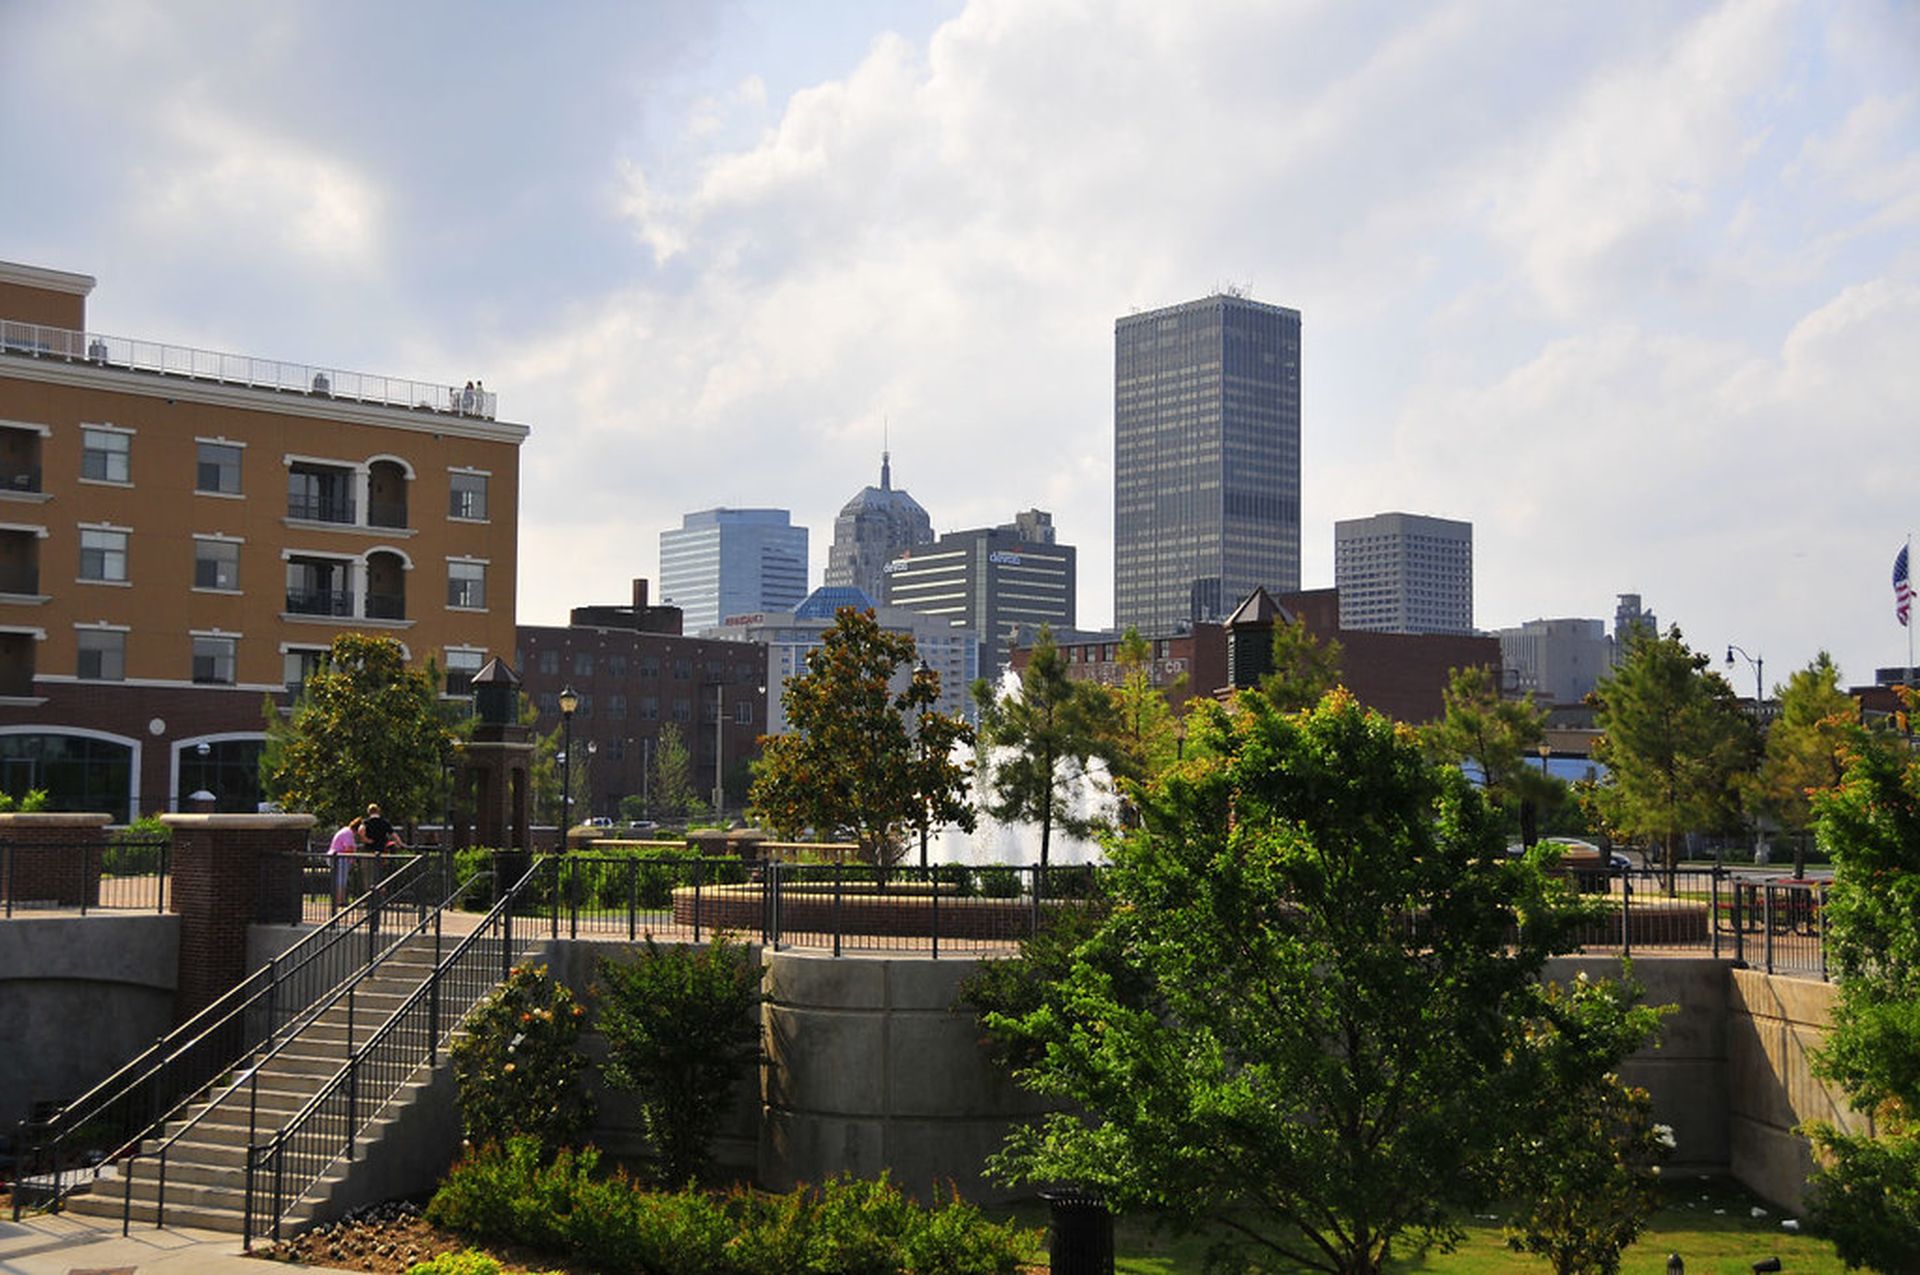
(724, 562)
(1404, 573)
(1206, 460)
(992, 581)
(872, 528)
(1629, 620)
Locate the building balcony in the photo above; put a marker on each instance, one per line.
(36, 341)
(19, 480)
(321, 508)
(386, 606)
(327, 602)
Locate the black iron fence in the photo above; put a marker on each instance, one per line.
(124, 873)
(63, 1152)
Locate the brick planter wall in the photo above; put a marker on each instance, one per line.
(224, 879)
(52, 858)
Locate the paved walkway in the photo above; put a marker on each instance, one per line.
(62, 1244)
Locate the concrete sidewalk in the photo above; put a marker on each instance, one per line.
(62, 1244)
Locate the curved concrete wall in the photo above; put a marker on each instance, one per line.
(79, 996)
(870, 1066)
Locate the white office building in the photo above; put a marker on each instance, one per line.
(1404, 573)
(1559, 661)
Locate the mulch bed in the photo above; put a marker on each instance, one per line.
(391, 1238)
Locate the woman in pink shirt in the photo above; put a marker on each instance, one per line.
(343, 845)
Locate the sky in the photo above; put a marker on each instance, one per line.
(1634, 287)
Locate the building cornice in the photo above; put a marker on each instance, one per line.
(50, 280)
(247, 398)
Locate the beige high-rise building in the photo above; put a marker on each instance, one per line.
(183, 532)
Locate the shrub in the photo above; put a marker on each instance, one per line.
(33, 802)
(999, 883)
(846, 1227)
(679, 1024)
(957, 878)
(137, 849)
(519, 1064)
(463, 1262)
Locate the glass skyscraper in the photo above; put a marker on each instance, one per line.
(1206, 460)
(722, 562)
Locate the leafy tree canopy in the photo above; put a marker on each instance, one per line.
(1037, 743)
(1312, 1016)
(1304, 667)
(1807, 744)
(850, 764)
(1867, 1193)
(1144, 731)
(366, 729)
(1493, 734)
(1674, 742)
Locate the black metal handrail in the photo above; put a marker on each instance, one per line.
(270, 1048)
(121, 873)
(282, 1169)
(116, 1114)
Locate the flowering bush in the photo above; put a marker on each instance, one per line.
(519, 1065)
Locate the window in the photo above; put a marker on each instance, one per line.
(583, 663)
(616, 666)
(300, 664)
(103, 656)
(216, 564)
(467, 585)
(461, 666)
(682, 669)
(617, 707)
(550, 663)
(548, 703)
(468, 496)
(320, 493)
(104, 455)
(649, 666)
(649, 708)
(218, 469)
(213, 660)
(743, 713)
(103, 555)
(682, 711)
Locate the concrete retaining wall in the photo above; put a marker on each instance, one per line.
(1773, 1026)
(79, 996)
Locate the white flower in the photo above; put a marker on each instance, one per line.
(1663, 1134)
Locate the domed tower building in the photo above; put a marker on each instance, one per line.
(872, 529)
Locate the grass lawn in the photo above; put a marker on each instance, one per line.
(1708, 1222)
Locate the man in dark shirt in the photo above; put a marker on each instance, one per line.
(378, 832)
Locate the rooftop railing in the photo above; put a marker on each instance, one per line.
(33, 340)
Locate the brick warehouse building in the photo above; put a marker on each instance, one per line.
(634, 673)
(183, 532)
(1400, 674)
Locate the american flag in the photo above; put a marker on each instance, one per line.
(1902, 587)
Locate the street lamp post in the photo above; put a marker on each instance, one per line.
(569, 701)
(719, 746)
(1759, 703)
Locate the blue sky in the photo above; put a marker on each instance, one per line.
(1634, 287)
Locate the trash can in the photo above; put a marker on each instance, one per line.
(1082, 1240)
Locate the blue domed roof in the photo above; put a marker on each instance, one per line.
(825, 602)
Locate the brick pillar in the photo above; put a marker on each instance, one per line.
(228, 872)
(52, 858)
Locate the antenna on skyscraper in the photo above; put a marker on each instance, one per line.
(886, 456)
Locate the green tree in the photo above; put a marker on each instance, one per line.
(681, 1030)
(366, 729)
(1037, 743)
(1866, 1193)
(1494, 735)
(1145, 732)
(850, 763)
(673, 792)
(1586, 1178)
(1674, 742)
(1303, 1019)
(1806, 749)
(1304, 668)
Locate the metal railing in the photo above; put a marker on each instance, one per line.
(33, 340)
(65, 1152)
(335, 602)
(125, 874)
(284, 1167)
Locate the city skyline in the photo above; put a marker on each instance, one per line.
(1606, 284)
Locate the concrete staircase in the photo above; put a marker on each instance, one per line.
(206, 1142)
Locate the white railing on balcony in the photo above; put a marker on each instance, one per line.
(36, 341)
